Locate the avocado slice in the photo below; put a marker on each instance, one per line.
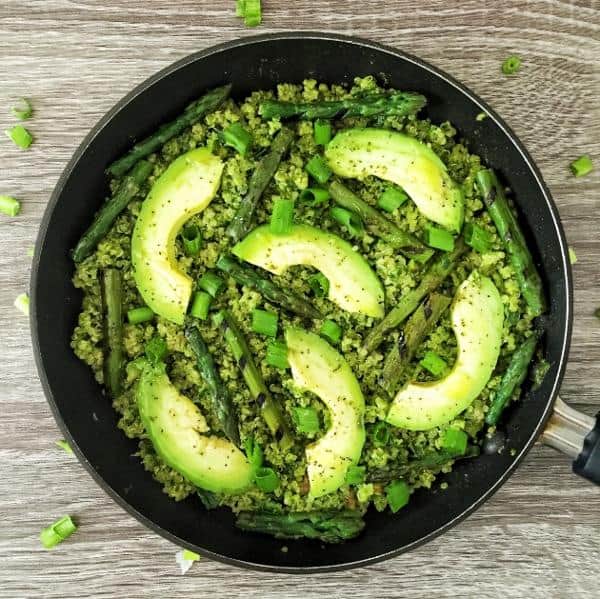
(320, 369)
(477, 320)
(405, 161)
(353, 285)
(184, 189)
(179, 433)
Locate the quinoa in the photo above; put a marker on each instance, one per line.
(397, 274)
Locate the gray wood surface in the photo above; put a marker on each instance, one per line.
(540, 535)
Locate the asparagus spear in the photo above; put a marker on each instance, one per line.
(326, 525)
(262, 175)
(271, 410)
(422, 320)
(513, 240)
(207, 103)
(391, 103)
(112, 293)
(513, 377)
(106, 216)
(408, 244)
(433, 278)
(222, 404)
(245, 275)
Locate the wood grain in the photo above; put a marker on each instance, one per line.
(540, 535)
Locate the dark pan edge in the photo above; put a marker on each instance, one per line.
(246, 41)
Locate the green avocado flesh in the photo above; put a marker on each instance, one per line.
(477, 320)
(353, 285)
(405, 161)
(184, 189)
(179, 434)
(320, 369)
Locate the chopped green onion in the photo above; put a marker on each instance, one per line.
(23, 110)
(191, 556)
(398, 494)
(331, 331)
(481, 116)
(139, 315)
(478, 238)
(200, 305)
(433, 364)
(318, 169)
(252, 13)
(348, 219)
(355, 475)
(391, 199)
(9, 205)
(582, 166)
(423, 256)
(240, 8)
(266, 479)
(186, 558)
(264, 323)
(253, 452)
(314, 195)
(439, 239)
(20, 136)
(365, 492)
(511, 65)
(572, 256)
(381, 434)
(238, 138)
(319, 284)
(156, 350)
(63, 445)
(282, 217)
(306, 420)
(192, 240)
(30, 252)
(57, 532)
(211, 283)
(22, 303)
(454, 440)
(277, 355)
(322, 132)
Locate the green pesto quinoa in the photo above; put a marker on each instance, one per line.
(397, 273)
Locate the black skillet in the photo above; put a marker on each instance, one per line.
(86, 416)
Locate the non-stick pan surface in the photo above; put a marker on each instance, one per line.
(85, 414)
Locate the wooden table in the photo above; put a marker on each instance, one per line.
(540, 535)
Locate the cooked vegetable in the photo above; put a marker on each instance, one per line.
(277, 355)
(582, 166)
(156, 350)
(200, 305)
(433, 364)
(398, 494)
(477, 237)
(381, 434)
(350, 221)
(319, 284)
(192, 240)
(19, 136)
(112, 303)
(238, 138)
(454, 440)
(331, 330)
(23, 110)
(355, 475)
(511, 65)
(391, 199)
(266, 479)
(318, 169)
(57, 532)
(9, 206)
(306, 420)
(139, 315)
(322, 132)
(439, 239)
(264, 322)
(252, 13)
(314, 195)
(282, 217)
(211, 283)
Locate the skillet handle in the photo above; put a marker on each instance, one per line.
(578, 436)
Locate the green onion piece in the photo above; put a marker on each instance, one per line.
(582, 166)
(398, 494)
(481, 116)
(266, 479)
(511, 65)
(57, 532)
(391, 199)
(30, 251)
(355, 475)
(318, 169)
(433, 364)
(190, 556)
(200, 305)
(22, 303)
(277, 355)
(365, 492)
(572, 256)
(381, 434)
(252, 13)
(253, 452)
(63, 445)
(282, 217)
(306, 420)
(240, 8)
(237, 138)
(439, 239)
(20, 136)
(192, 240)
(264, 323)
(349, 220)
(23, 110)
(319, 284)
(156, 349)
(331, 331)
(314, 195)
(211, 283)
(322, 132)
(478, 238)
(139, 315)
(9, 205)
(454, 440)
